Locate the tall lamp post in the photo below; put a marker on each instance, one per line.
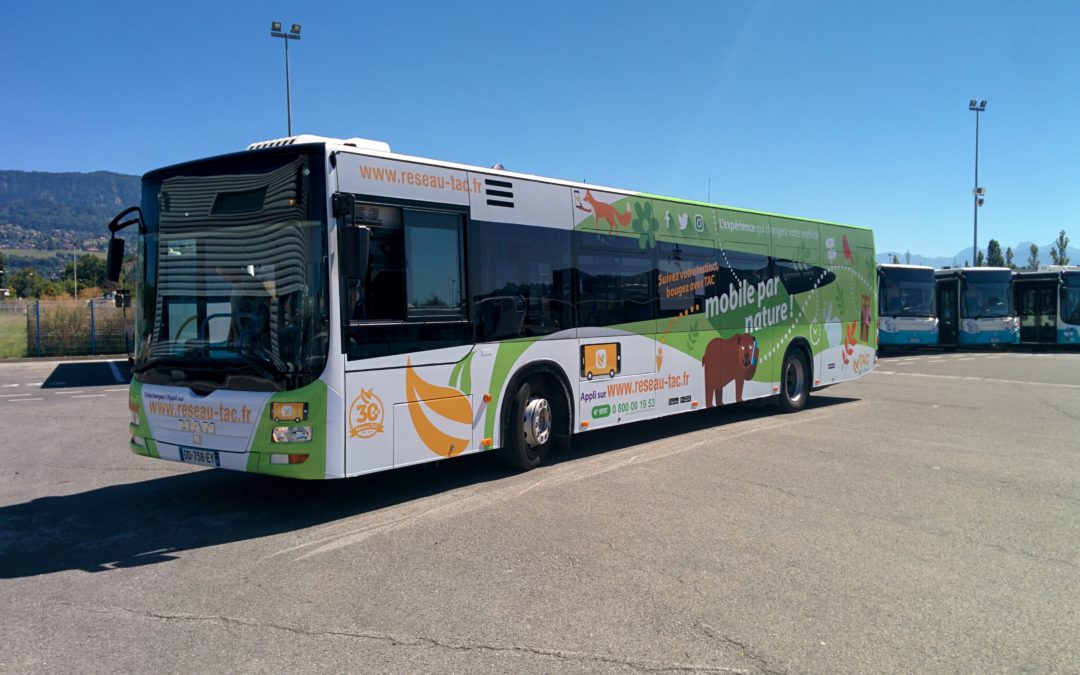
(977, 192)
(293, 34)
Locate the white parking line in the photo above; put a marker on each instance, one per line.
(65, 393)
(981, 379)
(112, 390)
(8, 385)
(89, 396)
(20, 400)
(13, 395)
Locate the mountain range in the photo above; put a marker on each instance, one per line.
(1021, 252)
(61, 211)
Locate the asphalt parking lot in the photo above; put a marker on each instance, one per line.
(923, 519)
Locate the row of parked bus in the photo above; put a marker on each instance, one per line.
(977, 306)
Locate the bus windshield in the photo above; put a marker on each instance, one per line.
(907, 292)
(987, 294)
(233, 280)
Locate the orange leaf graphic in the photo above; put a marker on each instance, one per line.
(445, 402)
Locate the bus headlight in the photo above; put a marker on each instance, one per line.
(934, 329)
(970, 326)
(887, 325)
(1012, 324)
(291, 434)
(135, 419)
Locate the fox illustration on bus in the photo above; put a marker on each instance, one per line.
(404, 319)
(605, 211)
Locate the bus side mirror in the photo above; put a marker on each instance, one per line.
(114, 260)
(115, 257)
(354, 244)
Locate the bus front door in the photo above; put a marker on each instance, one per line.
(1047, 321)
(1038, 313)
(949, 321)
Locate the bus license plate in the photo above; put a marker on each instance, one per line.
(202, 457)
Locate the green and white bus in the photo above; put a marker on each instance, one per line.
(322, 308)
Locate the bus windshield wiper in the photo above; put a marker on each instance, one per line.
(265, 366)
(159, 362)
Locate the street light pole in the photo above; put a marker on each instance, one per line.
(293, 34)
(977, 192)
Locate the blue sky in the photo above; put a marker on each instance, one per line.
(848, 111)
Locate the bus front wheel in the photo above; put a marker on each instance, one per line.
(794, 381)
(531, 430)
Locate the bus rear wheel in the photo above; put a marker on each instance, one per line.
(531, 431)
(794, 381)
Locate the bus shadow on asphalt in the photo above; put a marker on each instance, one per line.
(72, 374)
(153, 521)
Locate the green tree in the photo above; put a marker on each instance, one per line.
(1033, 257)
(1059, 251)
(907, 257)
(1009, 262)
(3, 273)
(26, 283)
(981, 260)
(895, 260)
(993, 254)
(91, 271)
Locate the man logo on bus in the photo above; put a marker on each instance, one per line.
(601, 359)
(366, 415)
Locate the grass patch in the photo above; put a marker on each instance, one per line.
(12, 337)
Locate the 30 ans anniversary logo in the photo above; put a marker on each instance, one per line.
(366, 415)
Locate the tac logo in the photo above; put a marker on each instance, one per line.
(860, 363)
(366, 415)
(601, 359)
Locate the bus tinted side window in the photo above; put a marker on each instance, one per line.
(520, 279)
(412, 296)
(688, 273)
(615, 281)
(381, 295)
(434, 261)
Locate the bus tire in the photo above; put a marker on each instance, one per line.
(794, 381)
(531, 429)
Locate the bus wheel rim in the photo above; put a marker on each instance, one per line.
(793, 380)
(537, 422)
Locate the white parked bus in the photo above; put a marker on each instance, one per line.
(907, 307)
(321, 308)
(975, 307)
